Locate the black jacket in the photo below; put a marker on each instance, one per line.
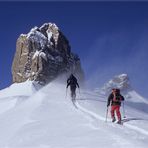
(72, 82)
(115, 100)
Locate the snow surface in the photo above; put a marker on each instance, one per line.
(48, 119)
(49, 34)
(41, 54)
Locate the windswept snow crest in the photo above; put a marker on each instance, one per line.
(47, 118)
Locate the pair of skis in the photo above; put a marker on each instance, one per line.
(73, 99)
(74, 103)
(122, 121)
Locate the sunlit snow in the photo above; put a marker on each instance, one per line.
(48, 119)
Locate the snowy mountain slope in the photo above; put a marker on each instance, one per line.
(48, 119)
(97, 108)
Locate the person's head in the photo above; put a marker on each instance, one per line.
(118, 91)
(71, 75)
(114, 90)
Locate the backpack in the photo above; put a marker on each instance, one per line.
(117, 98)
(72, 81)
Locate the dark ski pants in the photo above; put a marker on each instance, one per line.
(115, 108)
(73, 92)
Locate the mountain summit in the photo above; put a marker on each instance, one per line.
(43, 54)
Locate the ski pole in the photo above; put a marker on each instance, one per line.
(66, 93)
(106, 115)
(79, 92)
(123, 111)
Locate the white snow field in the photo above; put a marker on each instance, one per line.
(48, 119)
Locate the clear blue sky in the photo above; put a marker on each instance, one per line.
(110, 37)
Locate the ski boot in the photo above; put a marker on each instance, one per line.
(113, 120)
(119, 122)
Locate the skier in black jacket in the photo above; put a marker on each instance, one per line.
(72, 82)
(114, 100)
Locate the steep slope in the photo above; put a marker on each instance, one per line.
(47, 118)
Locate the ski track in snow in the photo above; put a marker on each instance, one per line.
(121, 141)
(95, 119)
(96, 116)
(115, 135)
(136, 129)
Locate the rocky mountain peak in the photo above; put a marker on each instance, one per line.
(50, 30)
(43, 54)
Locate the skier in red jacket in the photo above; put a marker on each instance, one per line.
(114, 100)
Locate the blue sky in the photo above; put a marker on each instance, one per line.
(110, 37)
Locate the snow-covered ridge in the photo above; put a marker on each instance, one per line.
(47, 118)
(43, 37)
(18, 89)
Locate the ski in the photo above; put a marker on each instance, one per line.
(118, 123)
(74, 103)
(124, 120)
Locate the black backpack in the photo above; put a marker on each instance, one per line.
(72, 81)
(117, 98)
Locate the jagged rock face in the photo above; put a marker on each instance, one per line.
(121, 82)
(43, 54)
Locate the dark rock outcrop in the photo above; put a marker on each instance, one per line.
(43, 54)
